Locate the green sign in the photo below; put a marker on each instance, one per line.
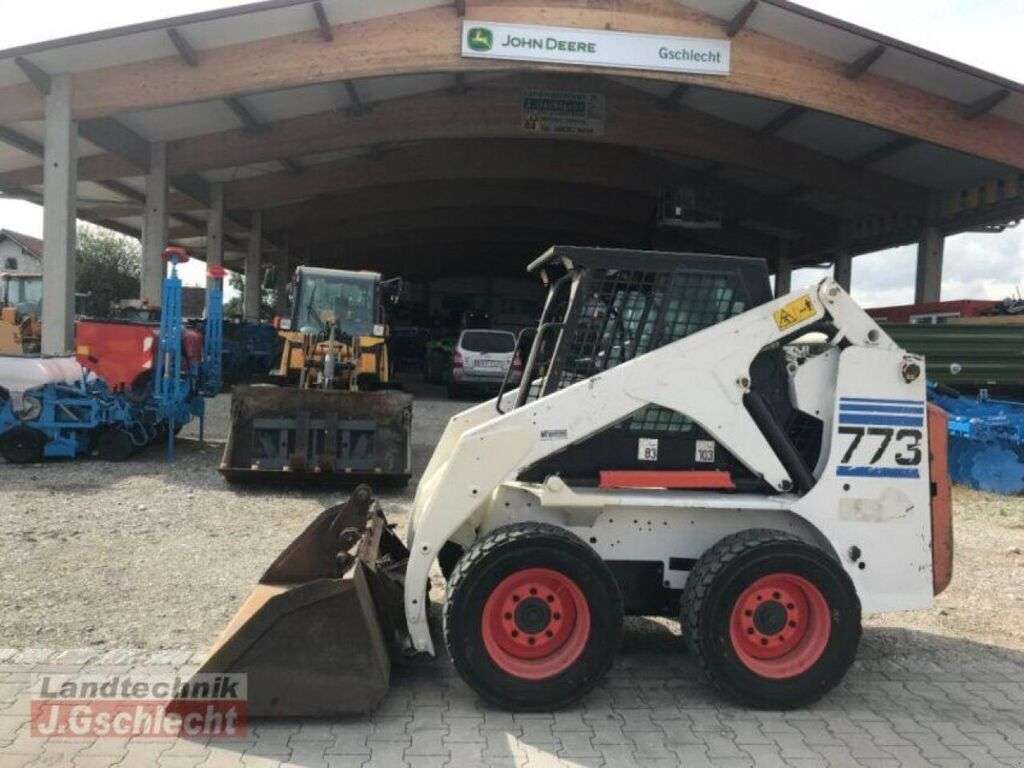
(480, 39)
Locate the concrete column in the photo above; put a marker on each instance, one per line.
(783, 271)
(154, 230)
(60, 202)
(930, 250)
(215, 228)
(842, 269)
(253, 269)
(283, 275)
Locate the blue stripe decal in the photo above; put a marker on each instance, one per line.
(870, 420)
(915, 409)
(876, 401)
(903, 472)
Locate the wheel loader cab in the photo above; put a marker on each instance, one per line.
(681, 444)
(348, 300)
(337, 322)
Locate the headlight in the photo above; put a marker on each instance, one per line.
(29, 409)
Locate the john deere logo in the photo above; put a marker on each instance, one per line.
(481, 39)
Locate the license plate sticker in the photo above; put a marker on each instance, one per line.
(704, 453)
(647, 449)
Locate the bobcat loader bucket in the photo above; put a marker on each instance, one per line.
(331, 437)
(313, 638)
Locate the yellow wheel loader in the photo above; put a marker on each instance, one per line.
(336, 417)
(20, 330)
(682, 444)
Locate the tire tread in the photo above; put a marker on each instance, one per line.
(699, 590)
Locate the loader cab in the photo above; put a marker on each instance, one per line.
(606, 307)
(350, 301)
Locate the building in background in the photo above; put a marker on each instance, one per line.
(20, 253)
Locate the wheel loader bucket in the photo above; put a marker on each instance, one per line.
(314, 637)
(331, 437)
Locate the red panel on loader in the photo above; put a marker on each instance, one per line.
(690, 480)
(942, 501)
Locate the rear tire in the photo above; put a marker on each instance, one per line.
(23, 445)
(773, 621)
(533, 618)
(115, 444)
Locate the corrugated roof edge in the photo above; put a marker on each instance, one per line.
(270, 5)
(892, 42)
(154, 26)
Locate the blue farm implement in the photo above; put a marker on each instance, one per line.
(250, 350)
(132, 384)
(986, 440)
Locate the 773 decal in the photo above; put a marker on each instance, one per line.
(885, 437)
(906, 444)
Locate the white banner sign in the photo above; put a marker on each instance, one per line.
(594, 48)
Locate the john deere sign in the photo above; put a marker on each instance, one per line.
(594, 48)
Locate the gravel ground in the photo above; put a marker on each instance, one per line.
(153, 555)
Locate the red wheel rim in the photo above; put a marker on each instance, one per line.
(780, 626)
(535, 623)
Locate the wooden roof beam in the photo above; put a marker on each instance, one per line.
(356, 105)
(39, 78)
(885, 151)
(739, 21)
(441, 116)
(113, 136)
(862, 64)
(459, 87)
(322, 23)
(787, 117)
(293, 165)
(675, 99)
(184, 48)
(245, 115)
(21, 142)
(123, 190)
(983, 105)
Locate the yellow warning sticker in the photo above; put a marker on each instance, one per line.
(795, 312)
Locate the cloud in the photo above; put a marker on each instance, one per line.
(975, 266)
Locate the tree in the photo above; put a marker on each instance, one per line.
(108, 267)
(233, 307)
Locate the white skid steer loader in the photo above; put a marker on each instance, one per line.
(682, 445)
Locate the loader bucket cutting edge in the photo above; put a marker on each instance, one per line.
(331, 437)
(313, 637)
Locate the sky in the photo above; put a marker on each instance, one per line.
(984, 33)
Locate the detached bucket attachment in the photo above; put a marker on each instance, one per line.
(313, 637)
(333, 437)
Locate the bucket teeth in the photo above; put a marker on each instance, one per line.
(314, 637)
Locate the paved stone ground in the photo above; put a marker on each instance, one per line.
(951, 703)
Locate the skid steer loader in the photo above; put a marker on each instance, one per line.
(336, 418)
(671, 451)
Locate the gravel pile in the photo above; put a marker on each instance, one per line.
(153, 555)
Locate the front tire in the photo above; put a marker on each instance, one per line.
(115, 444)
(23, 445)
(773, 621)
(533, 618)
